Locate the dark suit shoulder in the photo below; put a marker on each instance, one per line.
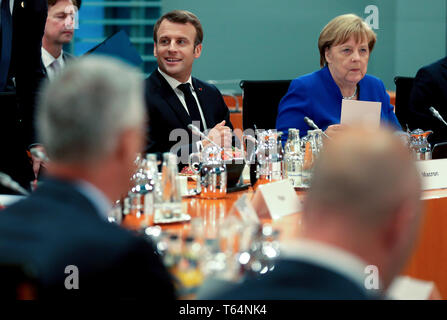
(57, 226)
(296, 280)
(435, 69)
(154, 81)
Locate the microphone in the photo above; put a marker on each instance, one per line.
(39, 154)
(312, 124)
(436, 114)
(7, 182)
(197, 131)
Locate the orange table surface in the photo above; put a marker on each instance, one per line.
(428, 262)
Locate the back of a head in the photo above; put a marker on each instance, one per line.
(361, 177)
(82, 112)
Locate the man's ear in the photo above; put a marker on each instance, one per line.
(155, 49)
(197, 50)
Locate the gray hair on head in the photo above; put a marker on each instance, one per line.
(83, 111)
(363, 175)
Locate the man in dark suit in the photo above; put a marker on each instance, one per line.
(61, 232)
(360, 219)
(173, 98)
(59, 30)
(430, 90)
(21, 73)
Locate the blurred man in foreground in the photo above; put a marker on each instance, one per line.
(91, 120)
(360, 221)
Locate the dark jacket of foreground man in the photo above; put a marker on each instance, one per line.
(57, 226)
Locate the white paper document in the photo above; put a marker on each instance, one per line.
(360, 112)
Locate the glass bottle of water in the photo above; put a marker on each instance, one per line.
(151, 171)
(277, 159)
(293, 157)
(309, 150)
(171, 197)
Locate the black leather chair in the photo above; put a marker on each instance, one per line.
(260, 102)
(404, 86)
(439, 151)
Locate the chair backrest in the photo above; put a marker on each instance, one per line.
(404, 85)
(439, 151)
(260, 102)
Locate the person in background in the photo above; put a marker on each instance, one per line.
(92, 123)
(59, 30)
(21, 74)
(360, 221)
(174, 99)
(345, 45)
(430, 90)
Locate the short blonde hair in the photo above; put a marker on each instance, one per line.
(341, 29)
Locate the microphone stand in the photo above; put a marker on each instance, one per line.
(312, 124)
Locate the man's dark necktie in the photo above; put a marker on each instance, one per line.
(6, 43)
(191, 104)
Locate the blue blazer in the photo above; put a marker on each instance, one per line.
(297, 280)
(317, 96)
(57, 226)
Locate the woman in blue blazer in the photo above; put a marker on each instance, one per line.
(345, 45)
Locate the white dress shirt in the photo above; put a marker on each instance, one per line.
(174, 83)
(48, 59)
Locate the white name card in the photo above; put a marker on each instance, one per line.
(433, 173)
(276, 199)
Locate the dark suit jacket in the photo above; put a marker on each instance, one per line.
(167, 113)
(26, 64)
(17, 107)
(58, 226)
(430, 90)
(296, 280)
